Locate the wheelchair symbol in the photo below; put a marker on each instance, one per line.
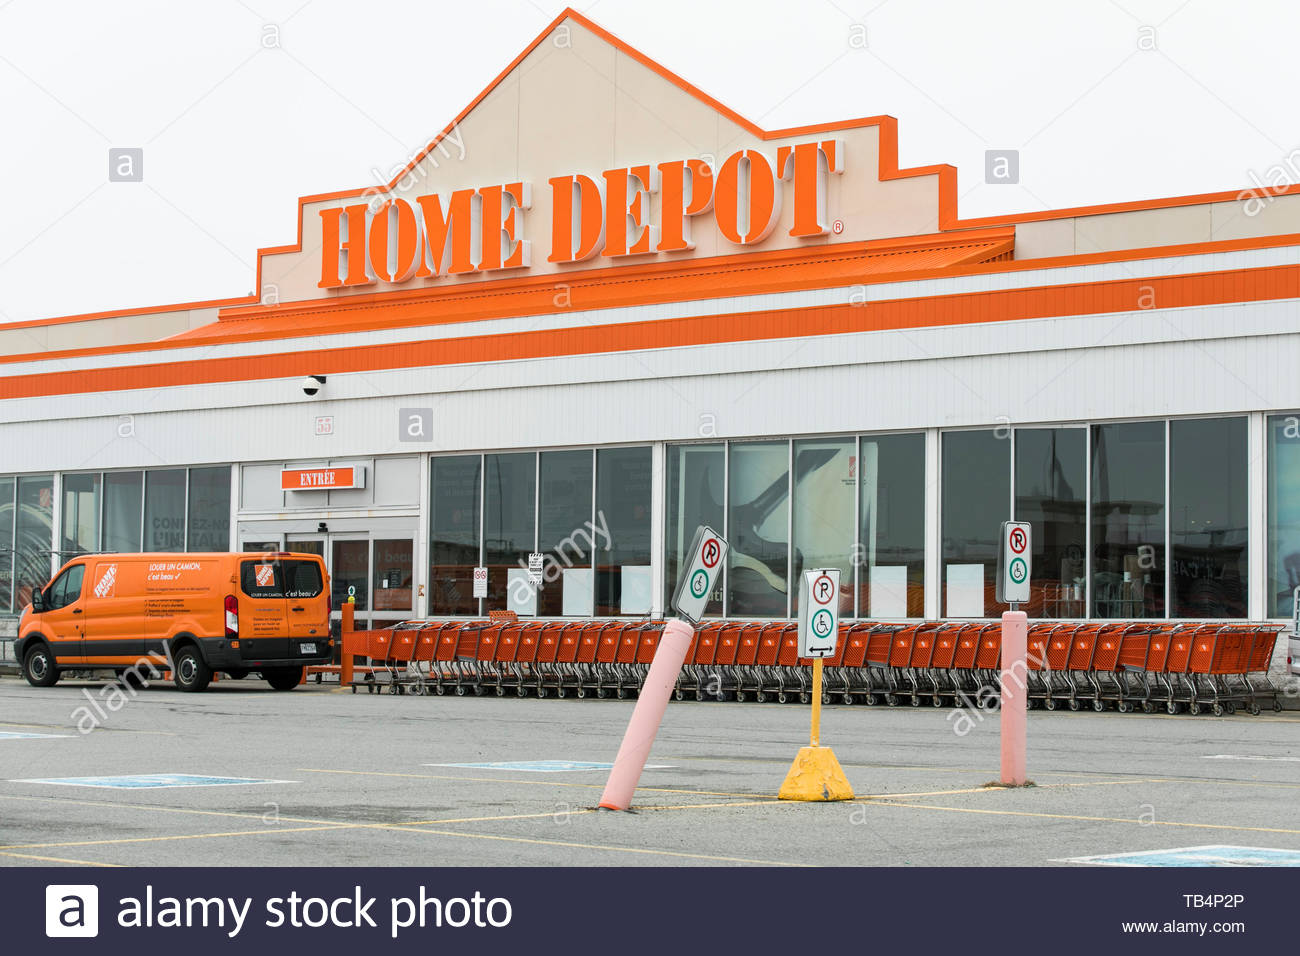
(823, 622)
(699, 584)
(1018, 570)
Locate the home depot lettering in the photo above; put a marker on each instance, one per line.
(481, 230)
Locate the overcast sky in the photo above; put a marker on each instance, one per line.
(241, 106)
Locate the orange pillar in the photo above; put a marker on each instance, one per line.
(648, 714)
(1014, 699)
(345, 634)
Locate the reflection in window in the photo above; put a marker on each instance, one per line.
(696, 493)
(453, 535)
(1128, 520)
(33, 537)
(623, 514)
(80, 514)
(892, 515)
(510, 483)
(1283, 513)
(123, 491)
(824, 482)
(164, 510)
(976, 498)
(565, 535)
(1051, 488)
(1208, 517)
(208, 528)
(394, 564)
(758, 530)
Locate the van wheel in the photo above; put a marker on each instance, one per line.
(285, 678)
(38, 666)
(191, 672)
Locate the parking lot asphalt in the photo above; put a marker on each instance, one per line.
(344, 779)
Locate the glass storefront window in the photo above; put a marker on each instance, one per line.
(758, 529)
(453, 534)
(621, 531)
(565, 535)
(123, 494)
(6, 544)
(825, 477)
(1128, 520)
(208, 524)
(1051, 493)
(350, 568)
(80, 514)
(33, 536)
(394, 567)
(164, 510)
(1283, 513)
(510, 483)
(891, 511)
(1208, 517)
(696, 493)
(976, 496)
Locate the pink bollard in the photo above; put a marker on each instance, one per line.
(648, 715)
(1015, 697)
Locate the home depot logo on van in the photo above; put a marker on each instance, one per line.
(265, 575)
(107, 584)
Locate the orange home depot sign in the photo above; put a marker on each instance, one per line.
(481, 230)
(321, 479)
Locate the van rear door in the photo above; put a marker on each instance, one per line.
(308, 603)
(263, 610)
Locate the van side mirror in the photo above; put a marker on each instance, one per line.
(38, 600)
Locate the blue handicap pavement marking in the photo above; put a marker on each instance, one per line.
(541, 766)
(150, 781)
(13, 735)
(1214, 855)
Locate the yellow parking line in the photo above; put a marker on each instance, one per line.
(597, 846)
(152, 808)
(535, 783)
(511, 816)
(1067, 816)
(165, 839)
(56, 859)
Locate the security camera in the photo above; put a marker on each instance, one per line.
(312, 384)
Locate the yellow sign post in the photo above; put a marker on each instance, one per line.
(815, 773)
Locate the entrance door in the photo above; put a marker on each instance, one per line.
(377, 570)
(349, 563)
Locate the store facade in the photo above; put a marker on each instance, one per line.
(603, 309)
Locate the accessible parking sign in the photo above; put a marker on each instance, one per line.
(696, 583)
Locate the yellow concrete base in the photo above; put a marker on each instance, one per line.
(815, 775)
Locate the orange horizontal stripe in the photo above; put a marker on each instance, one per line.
(713, 277)
(1245, 285)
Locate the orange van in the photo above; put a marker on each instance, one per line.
(194, 614)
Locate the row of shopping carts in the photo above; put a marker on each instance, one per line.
(1214, 667)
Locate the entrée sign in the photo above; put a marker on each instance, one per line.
(479, 230)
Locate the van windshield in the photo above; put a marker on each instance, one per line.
(273, 578)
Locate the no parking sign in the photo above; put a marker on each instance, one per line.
(1014, 563)
(701, 575)
(819, 612)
